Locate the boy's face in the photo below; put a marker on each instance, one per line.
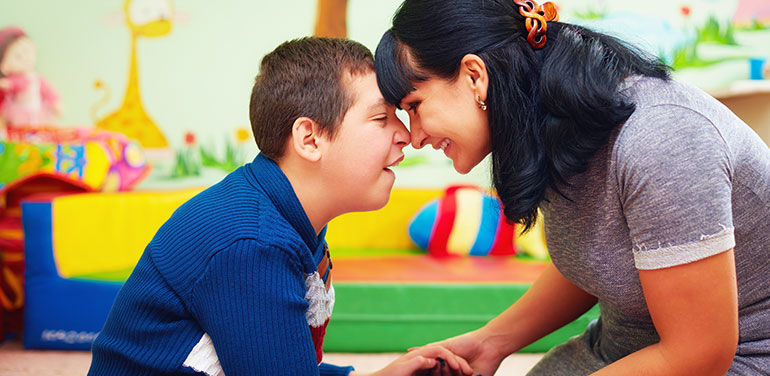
(369, 140)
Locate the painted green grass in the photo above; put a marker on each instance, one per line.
(229, 162)
(713, 32)
(186, 164)
(687, 57)
(412, 161)
(592, 14)
(755, 26)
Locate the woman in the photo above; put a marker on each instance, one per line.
(655, 197)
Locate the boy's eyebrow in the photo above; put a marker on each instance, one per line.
(380, 102)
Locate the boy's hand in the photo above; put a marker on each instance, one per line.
(428, 361)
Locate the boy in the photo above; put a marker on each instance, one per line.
(238, 280)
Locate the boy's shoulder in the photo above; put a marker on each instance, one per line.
(232, 209)
(226, 216)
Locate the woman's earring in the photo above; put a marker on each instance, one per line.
(482, 105)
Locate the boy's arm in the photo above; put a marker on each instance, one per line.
(251, 303)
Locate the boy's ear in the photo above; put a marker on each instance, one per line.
(305, 137)
(474, 71)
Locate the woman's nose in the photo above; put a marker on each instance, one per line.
(419, 137)
(402, 136)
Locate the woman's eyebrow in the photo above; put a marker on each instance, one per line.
(405, 101)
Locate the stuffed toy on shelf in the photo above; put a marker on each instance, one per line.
(26, 98)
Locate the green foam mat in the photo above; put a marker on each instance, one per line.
(395, 317)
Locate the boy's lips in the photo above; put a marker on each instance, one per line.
(396, 162)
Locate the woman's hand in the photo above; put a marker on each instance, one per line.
(476, 348)
(428, 360)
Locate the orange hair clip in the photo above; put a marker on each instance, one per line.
(537, 17)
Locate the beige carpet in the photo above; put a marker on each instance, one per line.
(15, 361)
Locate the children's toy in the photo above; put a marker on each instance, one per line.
(12, 241)
(102, 160)
(27, 98)
(468, 221)
(79, 249)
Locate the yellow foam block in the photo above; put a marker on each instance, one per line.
(533, 241)
(381, 229)
(99, 232)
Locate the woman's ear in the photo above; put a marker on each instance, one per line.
(474, 72)
(305, 138)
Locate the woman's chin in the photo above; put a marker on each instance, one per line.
(462, 168)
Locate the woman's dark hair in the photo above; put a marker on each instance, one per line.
(549, 109)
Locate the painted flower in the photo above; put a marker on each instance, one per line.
(189, 138)
(242, 135)
(685, 10)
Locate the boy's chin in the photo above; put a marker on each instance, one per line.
(376, 200)
(374, 197)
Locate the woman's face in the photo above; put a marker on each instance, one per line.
(447, 116)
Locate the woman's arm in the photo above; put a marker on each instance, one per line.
(695, 310)
(549, 304)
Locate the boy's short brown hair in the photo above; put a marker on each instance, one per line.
(304, 77)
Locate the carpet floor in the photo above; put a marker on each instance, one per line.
(15, 361)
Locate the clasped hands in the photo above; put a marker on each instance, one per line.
(465, 355)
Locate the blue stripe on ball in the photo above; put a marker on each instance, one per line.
(490, 215)
(421, 226)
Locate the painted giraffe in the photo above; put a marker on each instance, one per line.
(331, 19)
(145, 18)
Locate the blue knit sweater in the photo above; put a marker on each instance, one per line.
(230, 265)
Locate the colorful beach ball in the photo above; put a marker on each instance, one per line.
(465, 221)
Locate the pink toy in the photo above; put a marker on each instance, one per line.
(26, 98)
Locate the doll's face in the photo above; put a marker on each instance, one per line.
(19, 57)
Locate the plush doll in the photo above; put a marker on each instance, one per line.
(25, 97)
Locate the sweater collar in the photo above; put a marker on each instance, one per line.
(266, 173)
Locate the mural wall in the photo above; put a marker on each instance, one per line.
(175, 75)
